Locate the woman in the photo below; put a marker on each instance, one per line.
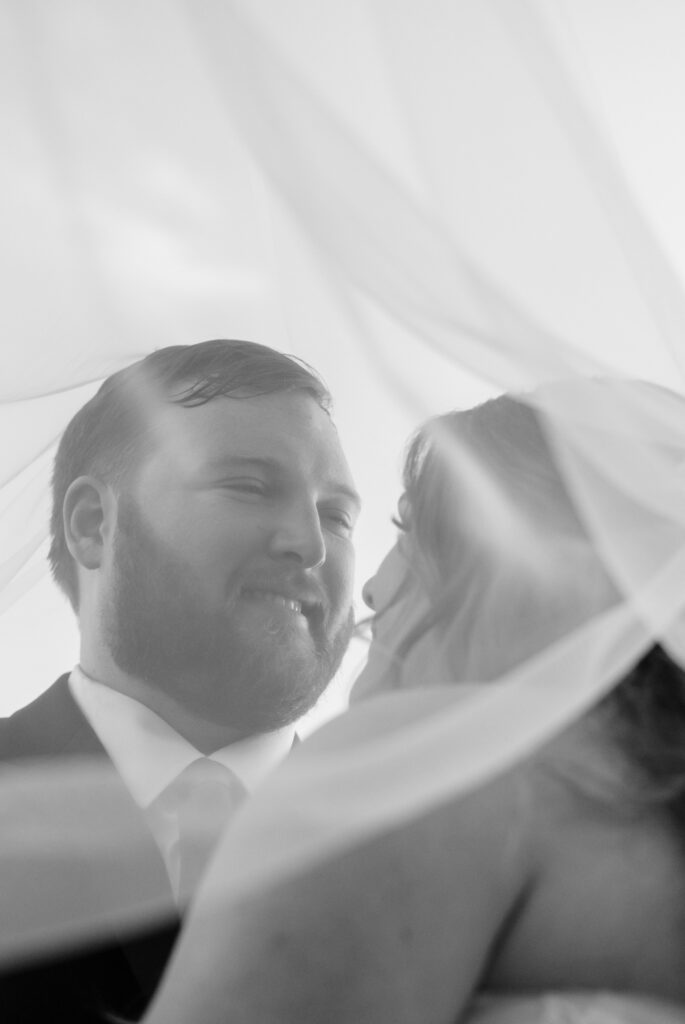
(562, 872)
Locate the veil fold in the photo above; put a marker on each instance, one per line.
(429, 202)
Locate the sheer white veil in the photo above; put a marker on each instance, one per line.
(423, 199)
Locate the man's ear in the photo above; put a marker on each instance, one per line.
(89, 515)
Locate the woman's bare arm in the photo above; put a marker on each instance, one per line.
(399, 929)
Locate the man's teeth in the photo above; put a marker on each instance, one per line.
(286, 602)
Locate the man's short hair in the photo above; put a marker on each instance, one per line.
(110, 435)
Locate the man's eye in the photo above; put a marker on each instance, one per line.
(339, 518)
(246, 486)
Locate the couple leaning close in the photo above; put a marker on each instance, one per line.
(202, 530)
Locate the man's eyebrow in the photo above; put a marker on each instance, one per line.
(349, 493)
(224, 462)
(273, 465)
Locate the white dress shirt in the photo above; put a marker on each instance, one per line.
(149, 754)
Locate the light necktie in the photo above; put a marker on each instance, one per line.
(203, 797)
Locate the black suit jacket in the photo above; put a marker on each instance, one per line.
(118, 975)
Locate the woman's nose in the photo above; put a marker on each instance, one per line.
(367, 594)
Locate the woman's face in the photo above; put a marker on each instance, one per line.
(399, 602)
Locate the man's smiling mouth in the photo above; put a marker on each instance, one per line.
(296, 603)
(273, 598)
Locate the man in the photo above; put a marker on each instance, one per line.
(202, 521)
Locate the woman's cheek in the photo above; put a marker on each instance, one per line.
(391, 663)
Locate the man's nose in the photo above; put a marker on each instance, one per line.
(299, 536)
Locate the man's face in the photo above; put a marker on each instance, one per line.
(232, 562)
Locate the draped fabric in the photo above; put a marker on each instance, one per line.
(432, 202)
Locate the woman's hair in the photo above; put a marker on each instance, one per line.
(489, 512)
(460, 465)
(646, 717)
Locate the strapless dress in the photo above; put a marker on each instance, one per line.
(573, 1008)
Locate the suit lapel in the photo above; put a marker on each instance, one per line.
(53, 726)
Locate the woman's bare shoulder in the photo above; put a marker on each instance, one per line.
(606, 907)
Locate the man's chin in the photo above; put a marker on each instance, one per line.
(271, 707)
(259, 688)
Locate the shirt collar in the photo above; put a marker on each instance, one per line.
(148, 753)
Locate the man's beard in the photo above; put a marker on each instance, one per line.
(159, 631)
